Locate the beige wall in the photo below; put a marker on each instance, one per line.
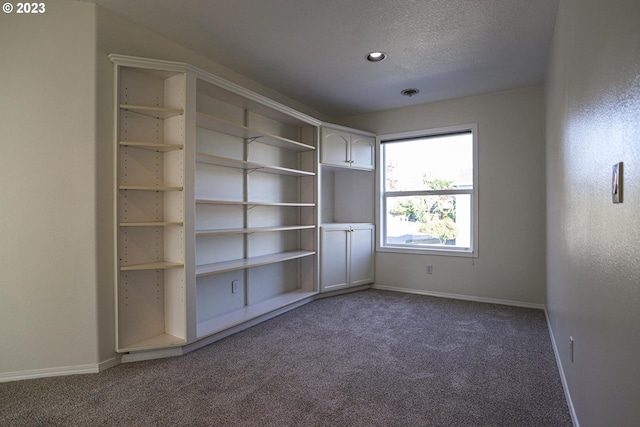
(593, 250)
(48, 261)
(511, 263)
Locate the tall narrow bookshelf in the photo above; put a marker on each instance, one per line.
(150, 220)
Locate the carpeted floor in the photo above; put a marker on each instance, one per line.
(371, 358)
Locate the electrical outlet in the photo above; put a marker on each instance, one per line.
(234, 287)
(571, 347)
(429, 269)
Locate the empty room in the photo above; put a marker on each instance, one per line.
(320, 213)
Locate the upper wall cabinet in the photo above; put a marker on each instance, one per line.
(347, 148)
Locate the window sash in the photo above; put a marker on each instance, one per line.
(385, 244)
(428, 192)
(384, 195)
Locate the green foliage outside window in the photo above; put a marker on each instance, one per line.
(436, 214)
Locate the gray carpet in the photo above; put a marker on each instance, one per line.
(371, 358)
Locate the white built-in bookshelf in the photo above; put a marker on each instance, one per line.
(150, 228)
(216, 199)
(256, 208)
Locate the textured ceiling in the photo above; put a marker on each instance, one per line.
(314, 51)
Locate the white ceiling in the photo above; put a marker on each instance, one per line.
(314, 51)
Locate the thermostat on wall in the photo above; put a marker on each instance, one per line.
(616, 183)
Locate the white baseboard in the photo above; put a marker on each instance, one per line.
(563, 378)
(109, 363)
(93, 368)
(461, 297)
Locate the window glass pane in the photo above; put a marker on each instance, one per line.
(440, 162)
(443, 220)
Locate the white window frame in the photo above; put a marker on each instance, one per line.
(472, 251)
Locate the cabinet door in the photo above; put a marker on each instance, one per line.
(362, 152)
(334, 269)
(361, 255)
(335, 147)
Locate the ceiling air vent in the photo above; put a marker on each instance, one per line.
(410, 92)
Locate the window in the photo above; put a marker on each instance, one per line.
(428, 191)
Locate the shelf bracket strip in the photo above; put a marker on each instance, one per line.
(253, 138)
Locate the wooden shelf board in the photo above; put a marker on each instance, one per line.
(237, 317)
(240, 264)
(155, 112)
(152, 146)
(217, 124)
(158, 341)
(231, 202)
(151, 224)
(242, 164)
(160, 265)
(148, 188)
(253, 230)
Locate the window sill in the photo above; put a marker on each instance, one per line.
(465, 253)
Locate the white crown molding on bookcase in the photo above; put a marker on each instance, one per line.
(181, 67)
(253, 96)
(152, 64)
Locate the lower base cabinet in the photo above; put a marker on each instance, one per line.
(347, 255)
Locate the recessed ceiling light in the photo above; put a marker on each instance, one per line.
(376, 56)
(410, 92)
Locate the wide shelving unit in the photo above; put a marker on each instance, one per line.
(256, 207)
